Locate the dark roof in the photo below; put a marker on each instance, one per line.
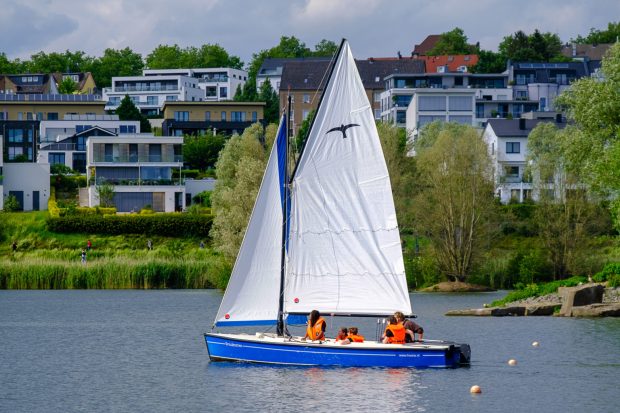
(510, 127)
(311, 75)
(426, 45)
(591, 51)
(275, 65)
(95, 131)
(544, 69)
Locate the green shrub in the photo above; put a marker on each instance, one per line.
(421, 271)
(156, 224)
(610, 273)
(11, 204)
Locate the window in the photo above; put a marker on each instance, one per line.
(128, 128)
(15, 151)
(223, 116)
(543, 104)
(515, 194)
(20, 116)
(170, 98)
(377, 96)
(39, 115)
(304, 114)
(254, 116)
(306, 98)
(2, 117)
(561, 79)
(521, 80)
(56, 158)
(181, 116)
(511, 171)
(135, 100)
(81, 144)
(151, 100)
(114, 101)
(82, 128)
(223, 92)
(432, 103)
(237, 116)
(52, 115)
(208, 116)
(16, 135)
(513, 147)
(460, 103)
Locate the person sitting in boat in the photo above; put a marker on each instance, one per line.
(354, 336)
(316, 327)
(409, 325)
(343, 336)
(395, 332)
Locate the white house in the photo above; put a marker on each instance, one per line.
(507, 143)
(28, 182)
(140, 168)
(149, 93)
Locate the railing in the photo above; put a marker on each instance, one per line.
(508, 179)
(59, 147)
(138, 158)
(135, 182)
(145, 88)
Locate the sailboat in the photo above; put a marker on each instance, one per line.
(325, 238)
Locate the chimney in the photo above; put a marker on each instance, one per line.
(521, 124)
(400, 56)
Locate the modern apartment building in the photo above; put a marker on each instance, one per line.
(195, 118)
(64, 141)
(139, 167)
(150, 93)
(218, 83)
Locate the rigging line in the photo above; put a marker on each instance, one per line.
(316, 92)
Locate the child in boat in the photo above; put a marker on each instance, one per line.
(354, 335)
(395, 332)
(343, 336)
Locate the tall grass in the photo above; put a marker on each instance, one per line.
(113, 273)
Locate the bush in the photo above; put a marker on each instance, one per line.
(421, 272)
(11, 204)
(203, 198)
(610, 273)
(157, 224)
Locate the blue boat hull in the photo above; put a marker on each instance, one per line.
(244, 348)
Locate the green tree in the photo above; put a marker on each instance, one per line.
(59, 62)
(594, 106)
(396, 146)
(8, 66)
(302, 132)
(67, 86)
(126, 110)
(567, 214)
(105, 193)
(610, 35)
(208, 55)
(201, 152)
(239, 171)
(11, 204)
(123, 62)
(489, 62)
(455, 205)
(452, 42)
(537, 47)
(325, 48)
(272, 103)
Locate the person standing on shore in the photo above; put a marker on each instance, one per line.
(149, 244)
(83, 256)
(14, 246)
(89, 245)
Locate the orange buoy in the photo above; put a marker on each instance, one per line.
(475, 389)
(512, 362)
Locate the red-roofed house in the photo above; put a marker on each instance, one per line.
(449, 63)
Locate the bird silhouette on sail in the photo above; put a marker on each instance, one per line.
(343, 129)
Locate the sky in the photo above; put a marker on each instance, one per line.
(374, 28)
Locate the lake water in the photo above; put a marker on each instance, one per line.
(143, 351)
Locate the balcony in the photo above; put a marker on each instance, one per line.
(146, 88)
(61, 147)
(512, 179)
(139, 158)
(135, 182)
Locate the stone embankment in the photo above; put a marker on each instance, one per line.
(587, 300)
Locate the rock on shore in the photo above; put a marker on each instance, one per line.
(456, 287)
(588, 300)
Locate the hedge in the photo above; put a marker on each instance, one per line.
(171, 225)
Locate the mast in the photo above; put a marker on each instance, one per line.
(280, 325)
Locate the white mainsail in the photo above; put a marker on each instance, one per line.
(254, 288)
(344, 251)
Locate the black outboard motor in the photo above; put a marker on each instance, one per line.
(465, 353)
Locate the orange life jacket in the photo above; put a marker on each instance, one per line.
(398, 333)
(356, 338)
(315, 332)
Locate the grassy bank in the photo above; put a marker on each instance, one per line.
(47, 260)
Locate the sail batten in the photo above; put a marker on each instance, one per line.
(344, 245)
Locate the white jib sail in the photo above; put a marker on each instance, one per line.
(344, 248)
(252, 293)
